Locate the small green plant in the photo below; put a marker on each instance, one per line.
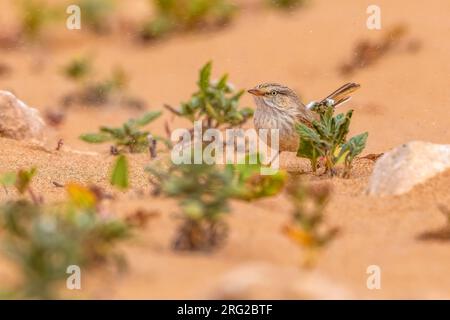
(327, 139)
(44, 240)
(250, 184)
(128, 136)
(94, 92)
(286, 4)
(306, 228)
(119, 176)
(35, 15)
(216, 103)
(204, 192)
(22, 182)
(79, 69)
(95, 14)
(184, 15)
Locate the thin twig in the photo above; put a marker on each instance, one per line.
(152, 146)
(57, 184)
(167, 129)
(59, 145)
(37, 200)
(113, 150)
(173, 110)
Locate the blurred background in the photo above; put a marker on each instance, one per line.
(137, 55)
(306, 45)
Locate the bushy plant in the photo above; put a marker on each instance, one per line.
(216, 103)
(119, 176)
(307, 225)
(128, 136)
(34, 15)
(95, 14)
(97, 92)
(44, 240)
(204, 192)
(286, 4)
(78, 69)
(327, 139)
(172, 15)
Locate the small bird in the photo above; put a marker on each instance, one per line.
(279, 107)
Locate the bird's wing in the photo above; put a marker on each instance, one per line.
(306, 116)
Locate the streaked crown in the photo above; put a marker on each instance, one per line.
(276, 95)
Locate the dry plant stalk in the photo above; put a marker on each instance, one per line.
(307, 227)
(367, 53)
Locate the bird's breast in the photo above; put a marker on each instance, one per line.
(282, 121)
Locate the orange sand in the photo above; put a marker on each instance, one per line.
(404, 97)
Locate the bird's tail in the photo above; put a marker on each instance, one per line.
(342, 95)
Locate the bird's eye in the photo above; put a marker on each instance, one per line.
(274, 93)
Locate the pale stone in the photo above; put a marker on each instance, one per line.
(402, 168)
(17, 120)
(260, 280)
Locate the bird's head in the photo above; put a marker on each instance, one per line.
(275, 95)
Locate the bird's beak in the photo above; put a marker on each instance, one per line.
(256, 92)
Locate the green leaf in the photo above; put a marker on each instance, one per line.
(114, 132)
(24, 178)
(205, 76)
(249, 184)
(357, 144)
(238, 95)
(8, 179)
(119, 176)
(147, 118)
(247, 112)
(95, 137)
(342, 129)
(308, 150)
(211, 112)
(353, 147)
(222, 84)
(306, 133)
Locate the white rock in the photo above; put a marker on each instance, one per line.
(400, 169)
(17, 120)
(260, 280)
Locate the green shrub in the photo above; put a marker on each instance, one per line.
(327, 139)
(95, 13)
(286, 4)
(34, 16)
(204, 192)
(44, 240)
(307, 226)
(172, 15)
(216, 103)
(128, 136)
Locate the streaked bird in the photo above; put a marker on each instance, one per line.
(279, 107)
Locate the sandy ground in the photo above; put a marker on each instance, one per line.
(403, 97)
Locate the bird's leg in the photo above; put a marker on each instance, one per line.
(274, 158)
